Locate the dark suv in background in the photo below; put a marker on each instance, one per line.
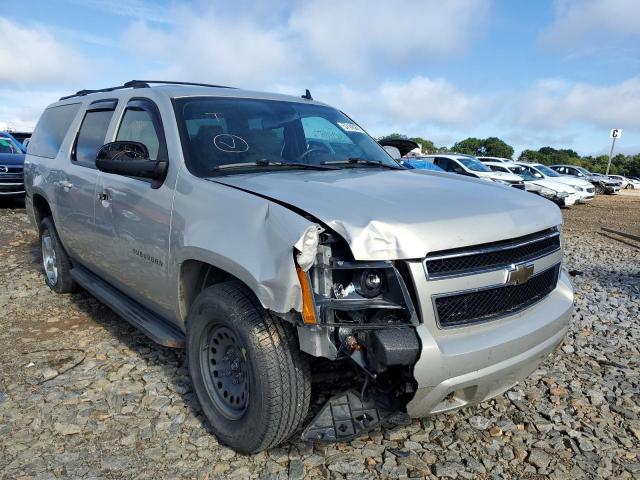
(11, 166)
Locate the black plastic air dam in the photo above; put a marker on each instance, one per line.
(393, 346)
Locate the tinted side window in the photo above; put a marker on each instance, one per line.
(91, 136)
(443, 163)
(51, 130)
(137, 126)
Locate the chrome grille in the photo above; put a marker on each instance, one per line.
(464, 308)
(491, 256)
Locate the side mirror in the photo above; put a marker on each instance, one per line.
(393, 151)
(131, 159)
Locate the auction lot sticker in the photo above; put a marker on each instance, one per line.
(350, 127)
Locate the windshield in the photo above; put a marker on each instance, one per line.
(584, 171)
(525, 173)
(240, 134)
(7, 145)
(473, 164)
(547, 171)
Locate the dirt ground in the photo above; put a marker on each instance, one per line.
(84, 395)
(618, 212)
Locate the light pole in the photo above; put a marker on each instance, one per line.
(615, 133)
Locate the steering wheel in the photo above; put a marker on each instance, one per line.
(309, 151)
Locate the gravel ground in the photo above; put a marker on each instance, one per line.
(83, 395)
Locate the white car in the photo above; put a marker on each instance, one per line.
(470, 166)
(585, 188)
(559, 193)
(626, 181)
(495, 159)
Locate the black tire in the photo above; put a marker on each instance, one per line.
(62, 283)
(599, 189)
(270, 387)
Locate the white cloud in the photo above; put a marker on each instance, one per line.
(211, 48)
(20, 110)
(592, 21)
(418, 101)
(557, 104)
(33, 56)
(357, 36)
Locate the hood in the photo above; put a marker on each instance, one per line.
(11, 158)
(404, 214)
(602, 179)
(403, 145)
(508, 177)
(556, 186)
(572, 181)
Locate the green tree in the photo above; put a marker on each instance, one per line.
(494, 147)
(470, 146)
(491, 146)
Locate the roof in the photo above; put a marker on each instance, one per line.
(502, 164)
(173, 89)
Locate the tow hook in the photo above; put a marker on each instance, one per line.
(347, 416)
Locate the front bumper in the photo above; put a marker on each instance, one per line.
(571, 200)
(11, 183)
(464, 366)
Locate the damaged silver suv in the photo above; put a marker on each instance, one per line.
(271, 236)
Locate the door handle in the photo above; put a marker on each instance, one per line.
(104, 197)
(66, 185)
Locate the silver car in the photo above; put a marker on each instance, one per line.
(271, 236)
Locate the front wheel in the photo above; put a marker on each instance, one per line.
(251, 379)
(599, 189)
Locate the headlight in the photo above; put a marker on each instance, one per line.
(497, 180)
(369, 283)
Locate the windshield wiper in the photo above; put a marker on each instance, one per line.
(361, 161)
(272, 163)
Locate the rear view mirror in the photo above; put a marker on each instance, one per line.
(130, 159)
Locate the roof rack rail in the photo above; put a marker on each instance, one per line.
(138, 84)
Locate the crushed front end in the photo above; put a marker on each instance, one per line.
(432, 334)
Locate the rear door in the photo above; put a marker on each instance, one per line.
(75, 187)
(133, 217)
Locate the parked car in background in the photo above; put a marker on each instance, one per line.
(11, 166)
(585, 188)
(260, 230)
(559, 193)
(21, 137)
(398, 147)
(601, 183)
(625, 182)
(470, 166)
(495, 159)
(634, 182)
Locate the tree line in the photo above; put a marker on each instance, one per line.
(628, 165)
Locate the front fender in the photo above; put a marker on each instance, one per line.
(247, 236)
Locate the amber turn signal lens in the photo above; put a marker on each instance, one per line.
(308, 313)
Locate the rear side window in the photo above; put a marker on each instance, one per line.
(51, 130)
(91, 137)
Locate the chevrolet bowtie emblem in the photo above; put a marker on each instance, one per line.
(519, 274)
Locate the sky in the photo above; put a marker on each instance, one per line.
(558, 73)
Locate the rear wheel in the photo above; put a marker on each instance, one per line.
(55, 261)
(251, 379)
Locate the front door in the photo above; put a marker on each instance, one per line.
(133, 217)
(75, 187)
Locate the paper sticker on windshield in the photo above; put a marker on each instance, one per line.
(350, 127)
